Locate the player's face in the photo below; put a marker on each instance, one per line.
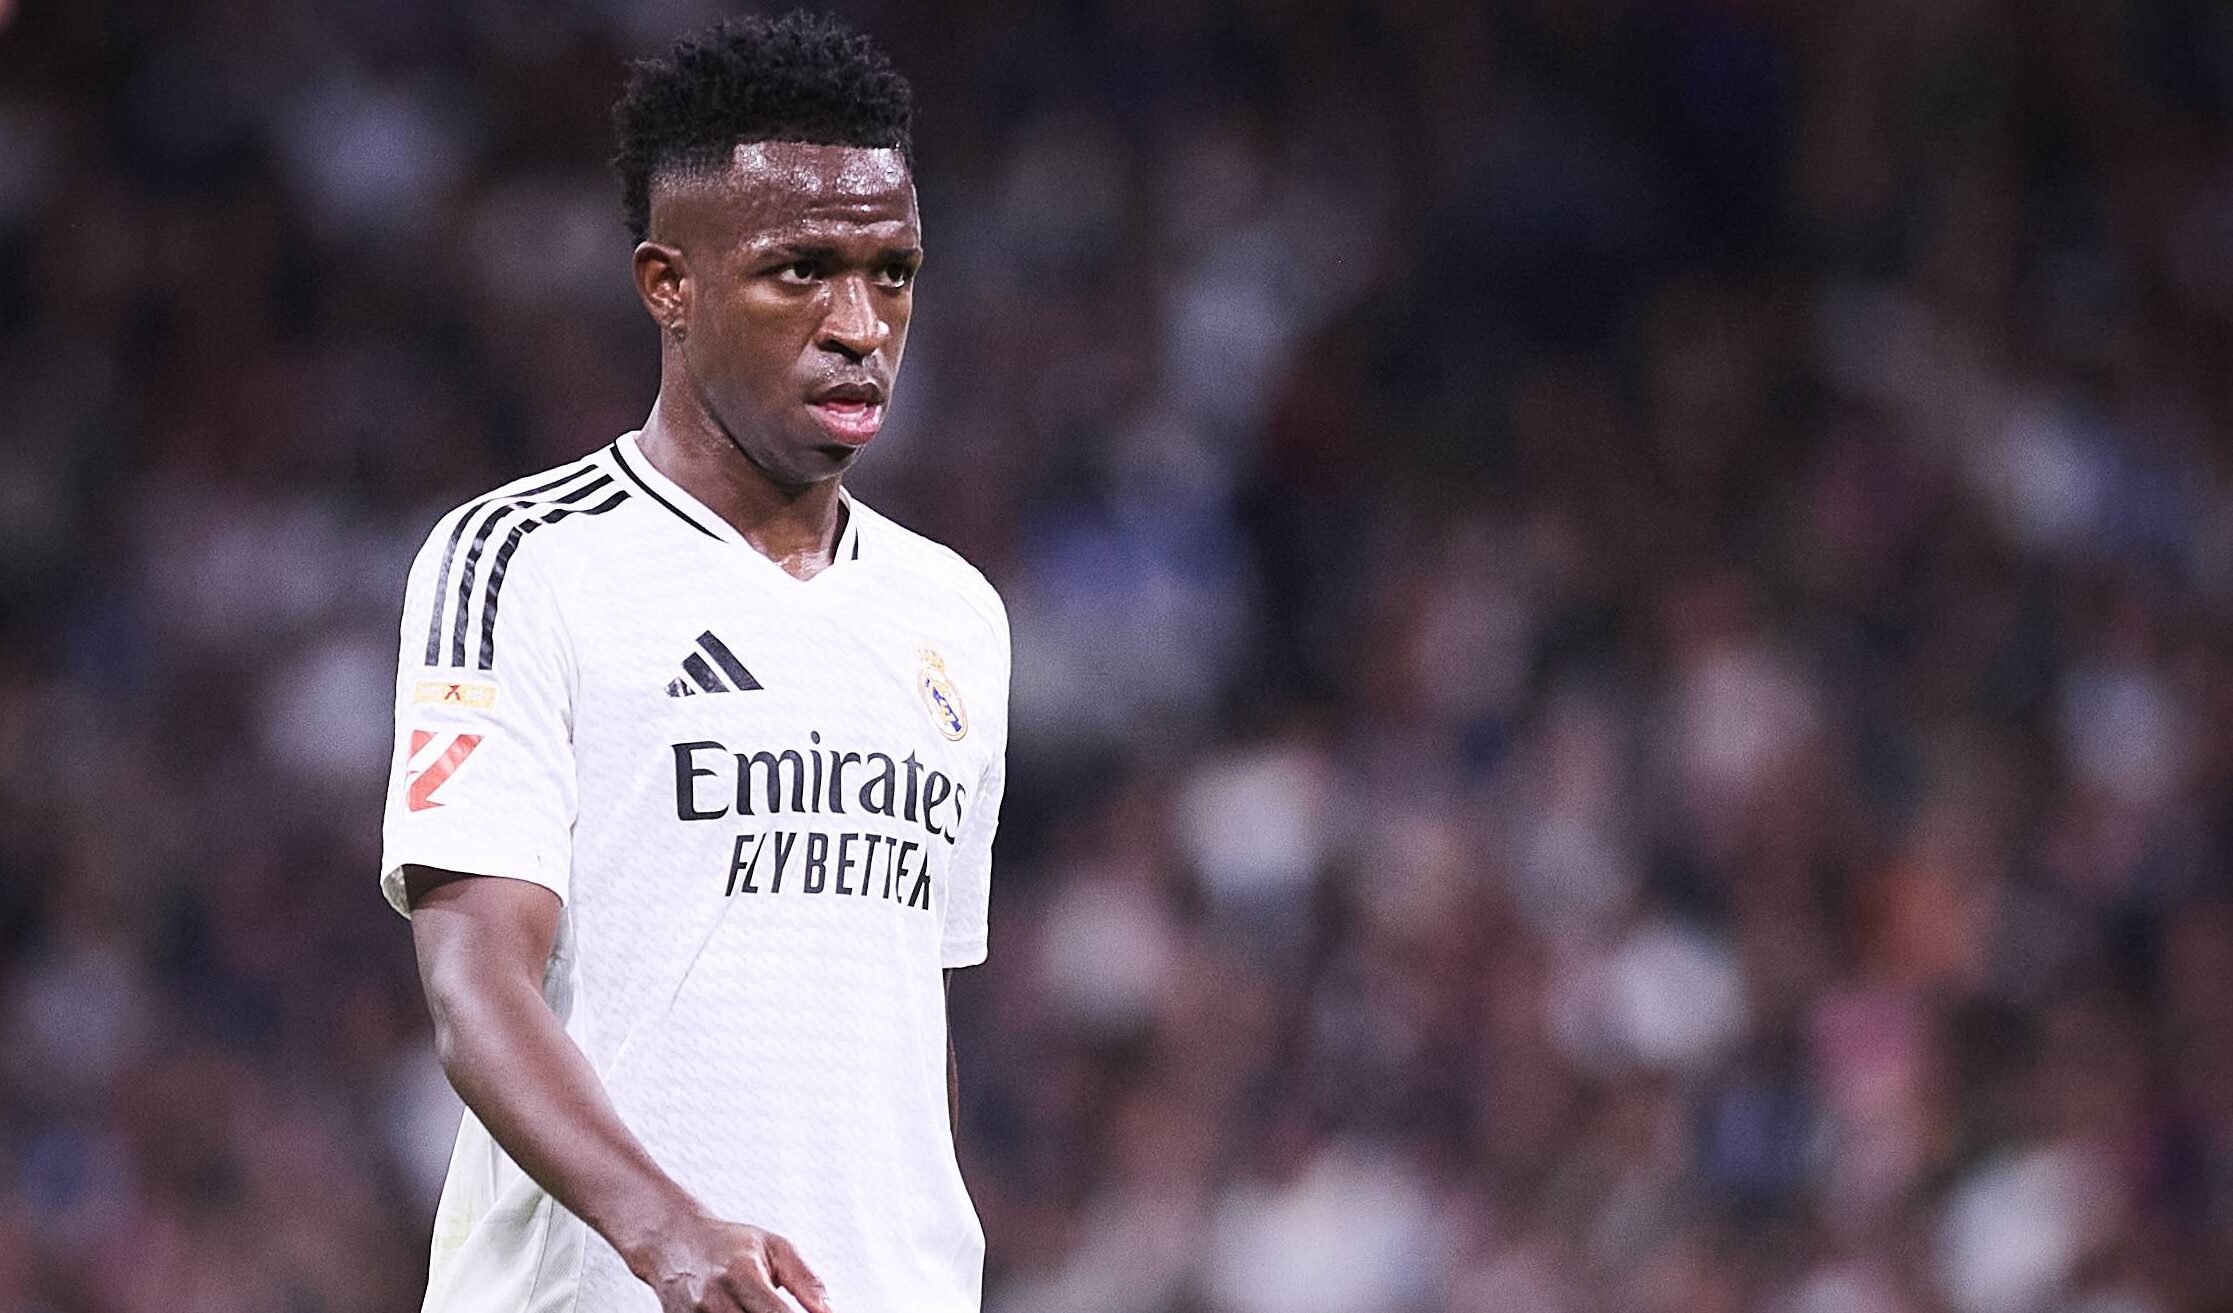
(799, 269)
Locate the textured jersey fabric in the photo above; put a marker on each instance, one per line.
(768, 807)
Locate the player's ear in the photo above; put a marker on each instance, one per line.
(663, 282)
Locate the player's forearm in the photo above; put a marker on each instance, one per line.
(530, 1085)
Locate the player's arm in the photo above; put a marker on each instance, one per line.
(484, 781)
(483, 944)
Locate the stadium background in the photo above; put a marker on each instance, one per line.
(1623, 698)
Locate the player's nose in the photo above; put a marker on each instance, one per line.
(852, 324)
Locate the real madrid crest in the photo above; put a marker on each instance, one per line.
(940, 697)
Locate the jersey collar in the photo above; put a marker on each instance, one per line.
(627, 453)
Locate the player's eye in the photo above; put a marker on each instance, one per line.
(897, 275)
(800, 271)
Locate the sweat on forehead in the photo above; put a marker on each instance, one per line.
(800, 166)
(780, 184)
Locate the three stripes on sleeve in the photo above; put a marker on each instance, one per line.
(472, 582)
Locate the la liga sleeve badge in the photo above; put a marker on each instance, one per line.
(940, 697)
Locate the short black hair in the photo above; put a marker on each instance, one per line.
(801, 77)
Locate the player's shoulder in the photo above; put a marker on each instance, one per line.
(477, 558)
(930, 564)
(580, 493)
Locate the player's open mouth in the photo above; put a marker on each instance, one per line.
(849, 409)
(850, 422)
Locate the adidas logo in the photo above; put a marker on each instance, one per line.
(723, 674)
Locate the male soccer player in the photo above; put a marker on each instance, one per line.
(698, 759)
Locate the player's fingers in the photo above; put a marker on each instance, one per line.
(717, 1299)
(746, 1288)
(792, 1273)
(713, 1298)
(744, 1294)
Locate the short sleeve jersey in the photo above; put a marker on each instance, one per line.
(767, 805)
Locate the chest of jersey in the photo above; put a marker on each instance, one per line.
(779, 739)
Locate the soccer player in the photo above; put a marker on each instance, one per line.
(698, 759)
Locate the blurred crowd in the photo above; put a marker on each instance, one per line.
(1622, 609)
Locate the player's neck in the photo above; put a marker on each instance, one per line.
(797, 528)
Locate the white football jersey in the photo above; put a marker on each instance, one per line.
(768, 805)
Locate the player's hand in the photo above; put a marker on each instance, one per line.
(712, 1266)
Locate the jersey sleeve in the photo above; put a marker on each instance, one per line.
(964, 939)
(482, 781)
